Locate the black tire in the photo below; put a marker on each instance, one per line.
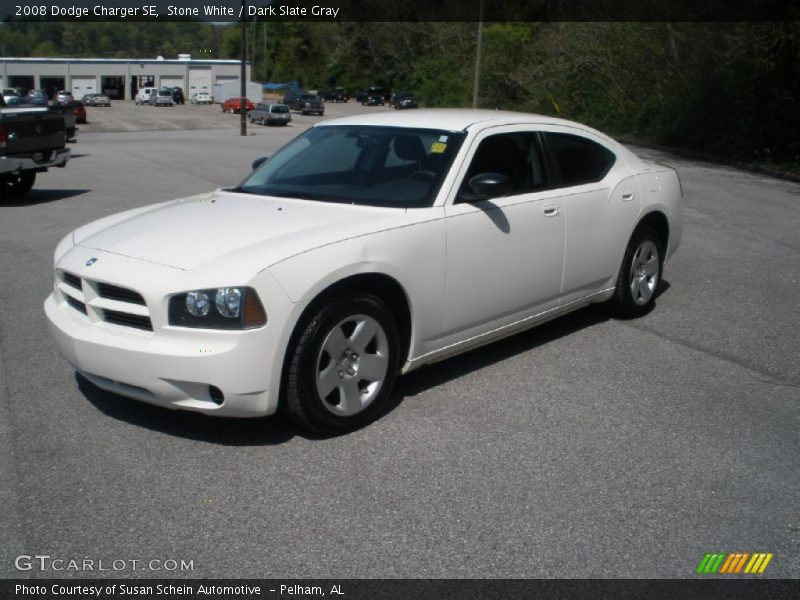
(16, 186)
(645, 246)
(303, 403)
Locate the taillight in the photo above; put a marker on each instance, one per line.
(3, 136)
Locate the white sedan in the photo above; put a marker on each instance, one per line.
(365, 248)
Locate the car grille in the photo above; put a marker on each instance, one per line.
(105, 302)
(113, 292)
(76, 304)
(127, 319)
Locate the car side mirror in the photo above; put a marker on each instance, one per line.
(259, 161)
(485, 186)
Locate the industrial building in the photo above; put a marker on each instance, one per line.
(118, 78)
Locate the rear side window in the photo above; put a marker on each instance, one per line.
(579, 160)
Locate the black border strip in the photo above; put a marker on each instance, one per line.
(734, 588)
(409, 10)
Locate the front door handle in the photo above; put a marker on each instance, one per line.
(550, 210)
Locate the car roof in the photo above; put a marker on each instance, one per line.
(454, 119)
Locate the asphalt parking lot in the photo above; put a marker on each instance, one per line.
(589, 447)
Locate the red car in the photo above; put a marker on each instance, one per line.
(80, 111)
(234, 105)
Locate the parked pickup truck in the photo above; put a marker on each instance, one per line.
(32, 140)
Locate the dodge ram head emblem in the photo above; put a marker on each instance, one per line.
(90, 262)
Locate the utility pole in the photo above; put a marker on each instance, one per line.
(243, 74)
(478, 54)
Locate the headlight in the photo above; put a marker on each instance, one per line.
(231, 308)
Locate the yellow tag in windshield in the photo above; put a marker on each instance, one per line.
(438, 147)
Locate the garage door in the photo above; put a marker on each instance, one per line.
(199, 80)
(172, 81)
(83, 84)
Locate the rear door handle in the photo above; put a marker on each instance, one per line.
(627, 195)
(550, 210)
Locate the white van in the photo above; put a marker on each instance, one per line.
(143, 95)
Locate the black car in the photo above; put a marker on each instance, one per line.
(337, 94)
(308, 103)
(177, 95)
(404, 100)
(374, 100)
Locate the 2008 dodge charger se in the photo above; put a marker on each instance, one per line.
(365, 248)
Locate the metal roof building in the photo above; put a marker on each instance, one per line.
(119, 78)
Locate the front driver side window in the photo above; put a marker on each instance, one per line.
(515, 155)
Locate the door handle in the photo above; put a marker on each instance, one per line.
(551, 210)
(627, 195)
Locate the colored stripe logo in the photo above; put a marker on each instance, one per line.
(734, 563)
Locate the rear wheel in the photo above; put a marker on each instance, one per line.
(639, 275)
(344, 365)
(16, 186)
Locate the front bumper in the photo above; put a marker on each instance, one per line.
(172, 367)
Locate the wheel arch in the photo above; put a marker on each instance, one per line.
(384, 286)
(656, 220)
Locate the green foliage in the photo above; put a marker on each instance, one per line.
(729, 89)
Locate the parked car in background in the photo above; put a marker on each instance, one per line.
(177, 95)
(350, 256)
(9, 93)
(373, 100)
(162, 97)
(80, 110)
(97, 100)
(143, 95)
(202, 98)
(337, 94)
(234, 105)
(404, 100)
(63, 96)
(307, 104)
(270, 114)
(36, 98)
(15, 101)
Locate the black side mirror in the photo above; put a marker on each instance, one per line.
(259, 161)
(485, 186)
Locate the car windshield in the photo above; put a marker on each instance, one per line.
(280, 108)
(356, 164)
(165, 93)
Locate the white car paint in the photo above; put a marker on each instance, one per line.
(470, 273)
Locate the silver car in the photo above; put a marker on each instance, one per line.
(162, 98)
(270, 114)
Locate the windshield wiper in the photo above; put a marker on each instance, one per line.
(298, 195)
(242, 190)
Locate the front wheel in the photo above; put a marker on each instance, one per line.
(639, 275)
(16, 186)
(343, 366)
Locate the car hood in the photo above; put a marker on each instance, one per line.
(238, 230)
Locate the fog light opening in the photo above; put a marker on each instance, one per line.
(216, 395)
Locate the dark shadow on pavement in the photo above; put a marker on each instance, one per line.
(264, 431)
(430, 376)
(277, 429)
(41, 196)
